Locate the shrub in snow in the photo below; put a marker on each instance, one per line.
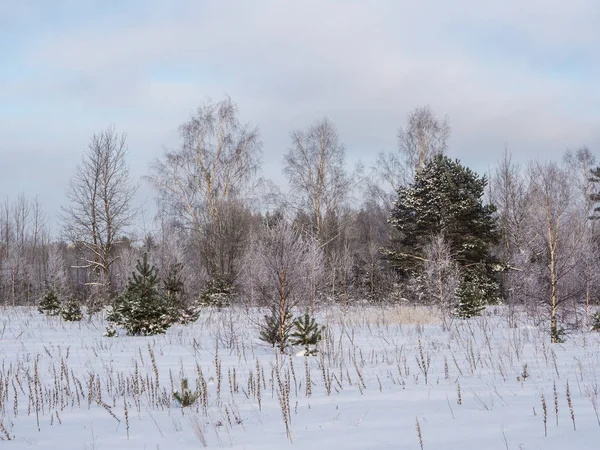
(110, 332)
(596, 321)
(473, 292)
(186, 397)
(71, 311)
(50, 304)
(142, 309)
(217, 293)
(174, 290)
(470, 300)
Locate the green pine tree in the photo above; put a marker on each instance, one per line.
(471, 297)
(174, 289)
(271, 328)
(71, 311)
(217, 293)
(49, 304)
(186, 397)
(446, 197)
(142, 309)
(307, 333)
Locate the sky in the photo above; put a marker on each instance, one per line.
(517, 73)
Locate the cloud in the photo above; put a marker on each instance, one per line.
(521, 73)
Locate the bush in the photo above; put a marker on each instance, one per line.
(217, 293)
(110, 332)
(596, 322)
(50, 304)
(186, 397)
(71, 311)
(179, 310)
(474, 292)
(470, 300)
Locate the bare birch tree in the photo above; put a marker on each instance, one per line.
(441, 276)
(281, 270)
(555, 240)
(314, 166)
(423, 137)
(100, 195)
(582, 163)
(201, 183)
(509, 195)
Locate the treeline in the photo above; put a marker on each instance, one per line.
(417, 227)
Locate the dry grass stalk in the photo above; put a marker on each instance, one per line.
(545, 414)
(570, 403)
(308, 380)
(423, 361)
(126, 414)
(419, 434)
(4, 431)
(556, 403)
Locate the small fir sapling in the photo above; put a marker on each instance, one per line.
(71, 311)
(186, 397)
(174, 289)
(271, 328)
(307, 333)
(50, 304)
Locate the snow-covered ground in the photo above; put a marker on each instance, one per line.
(380, 372)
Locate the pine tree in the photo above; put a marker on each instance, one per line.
(175, 293)
(307, 333)
(271, 328)
(446, 198)
(471, 295)
(186, 397)
(50, 304)
(217, 293)
(142, 309)
(71, 311)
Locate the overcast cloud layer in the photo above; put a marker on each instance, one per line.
(523, 74)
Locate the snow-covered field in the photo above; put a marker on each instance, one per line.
(382, 374)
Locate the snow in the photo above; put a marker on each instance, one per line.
(371, 357)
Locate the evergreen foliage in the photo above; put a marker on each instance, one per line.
(271, 328)
(186, 397)
(175, 293)
(446, 198)
(471, 297)
(50, 304)
(217, 293)
(596, 321)
(71, 311)
(307, 333)
(110, 332)
(142, 309)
